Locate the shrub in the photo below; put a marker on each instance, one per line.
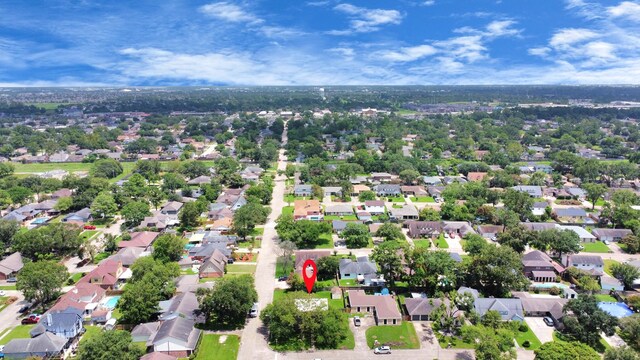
(523, 327)
(526, 343)
(554, 290)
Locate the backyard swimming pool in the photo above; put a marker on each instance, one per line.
(40, 221)
(111, 302)
(550, 285)
(615, 309)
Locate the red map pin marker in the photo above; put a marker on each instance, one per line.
(309, 272)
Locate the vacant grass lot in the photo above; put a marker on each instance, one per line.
(423, 199)
(211, 347)
(595, 247)
(401, 336)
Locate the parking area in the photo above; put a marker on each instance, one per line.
(542, 330)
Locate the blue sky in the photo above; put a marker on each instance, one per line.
(297, 42)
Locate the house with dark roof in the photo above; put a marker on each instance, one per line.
(374, 207)
(591, 264)
(570, 215)
(177, 337)
(79, 217)
(387, 190)
(361, 270)
(539, 267)
(10, 266)
(509, 309)
(533, 191)
(66, 325)
(183, 305)
(45, 346)
(420, 309)
(405, 213)
(338, 226)
(303, 190)
(303, 255)
(214, 265)
(142, 239)
(127, 256)
(540, 307)
(490, 232)
(383, 307)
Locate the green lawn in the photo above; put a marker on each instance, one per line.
(605, 298)
(18, 332)
(259, 231)
(101, 256)
(242, 269)
(326, 241)
(441, 243)
(401, 336)
(349, 343)
(88, 234)
(595, 247)
(8, 287)
(281, 270)
(534, 342)
(348, 282)
(91, 331)
(608, 263)
(397, 206)
(396, 199)
(75, 277)
(245, 244)
(212, 348)
(37, 168)
(287, 210)
(455, 342)
(344, 218)
(424, 243)
(423, 199)
(47, 105)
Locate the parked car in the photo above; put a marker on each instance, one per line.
(24, 308)
(12, 280)
(356, 321)
(606, 242)
(382, 350)
(549, 321)
(283, 278)
(89, 227)
(31, 319)
(254, 310)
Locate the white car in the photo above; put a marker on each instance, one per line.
(2, 293)
(254, 310)
(382, 350)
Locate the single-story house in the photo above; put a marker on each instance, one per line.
(490, 232)
(177, 337)
(609, 283)
(383, 307)
(79, 217)
(183, 305)
(303, 255)
(374, 207)
(303, 190)
(583, 234)
(142, 239)
(47, 345)
(420, 309)
(406, 212)
(414, 191)
(338, 210)
(381, 176)
(570, 214)
(338, 226)
(533, 191)
(611, 234)
(10, 266)
(364, 216)
(509, 309)
(214, 265)
(431, 180)
(332, 190)
(358, 188)
(387, 190)
(540, 307)
(539, 208)
(362, 269)
(476, 176)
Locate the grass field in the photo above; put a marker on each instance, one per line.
(605, 298)
(455, 342)
(281, 269)
(401, 336)
(47, 105)
(425, 243)
(88, 234)
(18, 332)
(344, 218)
(534, 342)
(608, 263)
(241, 269)
(287, 210)
(75, 277)
(423, 199)
(245, 244)
(7, 287)
(91, 332)
(326, 241)
(211, 347)
(396, 199)
(441, 243)
(595, 247)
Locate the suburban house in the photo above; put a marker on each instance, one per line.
(303, 190)
(61, 193)
(338, 210)
(509, 309)
(533, 191)
(431, 180)
(183, 305)
(361, 270)
(177, 337)
(358, 188)
(307, 210)
(10, 266)
(200, 180)
(381, 176)
(592, 264)
(108, 275)
(338, 226)
(583, 234)
(538, 226)
(387, 190)
(364, 216)
(45, 346)
(490, 232)
(303, 255)
(79, 217)
(172, 208)
(570, 215)
(383, 307)
(540, 307)
(420, 309)
(425, 229)
(332, 191)
(404, 213)
(83, 299)
(414, 191)
(214, 265)
(609, 234)
(374, 207)
(158, 221)
(233, 198)
(142, 239)
(66, 325)
(127, 256)
(476, 176)
(458, 228)
(539, 267)
(539, 208)
(609, 283)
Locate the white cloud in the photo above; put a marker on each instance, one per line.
(229, 12)
(366, 20)
(344, 51)
(428, 3)
(539, 51)
(406, 54)
(501, 28)
(565, 37)
(626, 9)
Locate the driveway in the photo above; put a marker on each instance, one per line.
(542, 331)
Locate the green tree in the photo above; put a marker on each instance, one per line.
(6, 169)
(139, 302)
(389, 260)
(366, 195)
(229, 302)
(562, 350)
(116, 344)
(626, 273)
(496, 271)
(584, 320)
(630, 330)
(106, 168)
(189, 215)
(621, 353)
(518, 202)
(135, 187)
(41, 281)
(19, 194)
(247, 217)
(155, 196)
(172, 182)
(490, 344)
(135, 211)
(54, 240)
(409, 176)
(150, 169)
(168, 247)
(492, 319)
(429, 214)
(103, 206)
(517, 238)
(64, 204)
(473, 244)
(594, 192)
(390, 232)
(356, 236)
(559, 241)
(192, 169)
(8, 228)
(328, 267)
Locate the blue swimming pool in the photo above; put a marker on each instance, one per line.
(111, 302)
(39, 221)
(615, 309)
(550, 285)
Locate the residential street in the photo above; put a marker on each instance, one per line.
(9, 315)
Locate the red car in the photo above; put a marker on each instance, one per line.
(89, 227)
(31, 319)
